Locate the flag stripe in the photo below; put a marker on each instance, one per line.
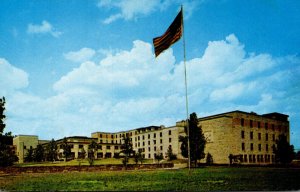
(173, 34)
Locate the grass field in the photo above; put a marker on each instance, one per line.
(202, 179)
(111, 161)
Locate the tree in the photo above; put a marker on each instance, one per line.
(284, 152)
(38, 154)
(51, 150)
(29, 155)
(2, 116)
(66, 149)
(158, 156)
(209, 159)
(126, 150)
(92, 152)
(171, 156)
(7, 155)
(197, 141)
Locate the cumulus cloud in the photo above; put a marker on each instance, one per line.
(11, 78)
(131, 88)
(44, 28)
(82, 55)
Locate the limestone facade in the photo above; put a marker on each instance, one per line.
(248, 137)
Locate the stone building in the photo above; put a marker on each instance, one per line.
(248, 137)
(23, 143)
(237, 137)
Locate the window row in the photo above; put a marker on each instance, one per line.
(257, 158)
(259, 137)
(259, 147)
(266, 125)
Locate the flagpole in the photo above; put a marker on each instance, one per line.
(186, 94)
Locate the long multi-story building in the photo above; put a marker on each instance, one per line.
(236, 136)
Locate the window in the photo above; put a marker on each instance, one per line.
(80, 146)
(154, 148)
(112, 142)
(100, 147)
(143, 143)
(267, 136)
(160, 134)
(148, 142)
(259, 147)
(161, 148)
(116, 147)
(170, 140)
(251, 135)
(149, 149)
(243, 146)
(273, 137)
(251, 123)
(154, 142)
(161, 141)
(100, 135)
(245, 158)
(101, 141)
(273, 127)
(258, 124)
(149, 156)
(143, 137)
(148, 136)
(266, 125)
(250, 158)
(170, 132)
(267, 147)
(259, 136)
(138, 138)
(242, 122)
(251, 146)
(154, 135)
(243, 134)
(112, 136)
(107, 147)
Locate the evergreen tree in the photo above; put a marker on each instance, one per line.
(66, 149)
(39, 152)
(7, 155)
(126, 150)
(197, 141)
(29, 155)
(209, 159)
(284, 152)
(51, 150)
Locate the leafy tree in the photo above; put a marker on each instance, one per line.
(197, 141)
(66, 149)
(138, 157)
(209, 159)
(51, 150)
(158, 156)
(7, 155)
(93, 148)
(284, 152)
(29, 155)
(82, 154)
(171, 156)
(38, 154)
(126, 150)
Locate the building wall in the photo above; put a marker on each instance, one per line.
(23, 143)
(249, 135)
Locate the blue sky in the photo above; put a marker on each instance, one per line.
(73, 67)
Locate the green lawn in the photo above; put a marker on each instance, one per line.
(82, 162)
(202, 179)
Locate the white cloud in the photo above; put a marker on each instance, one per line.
(11, 78)
(44, 28)
(132, 9)
(131, 88)
(82, 55)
